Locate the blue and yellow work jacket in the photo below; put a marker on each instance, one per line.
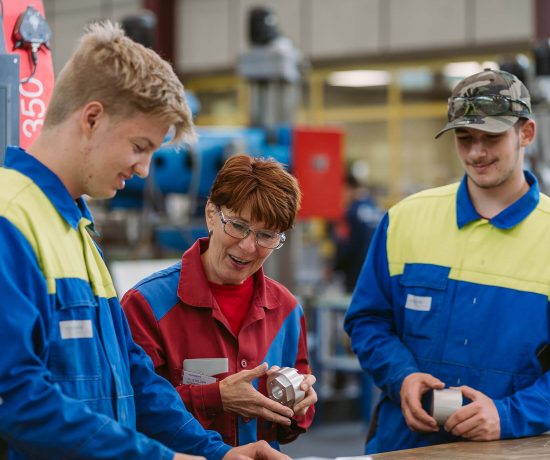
(447, 292)
(73, 384)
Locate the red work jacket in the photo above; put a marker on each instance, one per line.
(174, 316)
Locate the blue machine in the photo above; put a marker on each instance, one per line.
(191, 169)
(273, 67)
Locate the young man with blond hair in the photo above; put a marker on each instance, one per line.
(72, 382)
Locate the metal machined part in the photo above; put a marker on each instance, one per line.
(444, 403)
(284, 386)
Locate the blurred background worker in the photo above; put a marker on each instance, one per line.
(217, 306)
(352, 234)
(454, 291)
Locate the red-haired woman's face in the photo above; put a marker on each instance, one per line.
(229, 260)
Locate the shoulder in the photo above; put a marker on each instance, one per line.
(433, 194)
(160, 278)
(23, 207)
(278, 295)
(426, 199)
(159, 290)
(15, 191)
(278, 290)
(544, 204)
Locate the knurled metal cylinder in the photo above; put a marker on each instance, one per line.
(284, 386)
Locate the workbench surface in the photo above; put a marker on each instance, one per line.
(537, 447)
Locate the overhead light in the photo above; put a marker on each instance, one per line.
(417, 78)
(464, 69)
(359, 78)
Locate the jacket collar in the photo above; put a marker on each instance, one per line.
(193, 286)
(509, 217)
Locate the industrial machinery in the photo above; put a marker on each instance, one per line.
(26, 72)
(536, 77)
(162, 215)
(168, 205)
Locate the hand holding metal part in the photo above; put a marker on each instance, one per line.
(239, 396)
(286, 386)
(283, 386)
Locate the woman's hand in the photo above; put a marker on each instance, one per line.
(309, 399)
(306, 386)
(239, 396)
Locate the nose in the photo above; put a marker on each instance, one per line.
(141, 168)
(249, 242)
(477, 148)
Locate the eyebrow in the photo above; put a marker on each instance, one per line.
(240, 219)
(246, 222)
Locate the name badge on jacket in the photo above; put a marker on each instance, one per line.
(76, 329)
(420, 303)
(194, 378)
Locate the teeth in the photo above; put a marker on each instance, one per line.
(240, 261)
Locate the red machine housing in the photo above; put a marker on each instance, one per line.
(318, 166)
(36, 93)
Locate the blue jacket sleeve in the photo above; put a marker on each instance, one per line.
(36, 418)
(370, 321)
(161, 413)
(526, 412)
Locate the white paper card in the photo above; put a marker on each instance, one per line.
(194, 378)
(206, 366)
(76, 329)
(420, 303)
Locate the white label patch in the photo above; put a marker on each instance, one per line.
(76, 329)
(194, 378)
(206, 366)
(420, 303)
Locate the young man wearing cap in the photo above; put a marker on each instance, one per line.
(454, 290)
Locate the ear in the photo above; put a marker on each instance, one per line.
(92, 113)
(210, 214)
(527, 132)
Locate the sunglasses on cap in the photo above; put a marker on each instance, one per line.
(491, 106)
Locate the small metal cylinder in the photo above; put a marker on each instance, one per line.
(284, 386)
(444, 403)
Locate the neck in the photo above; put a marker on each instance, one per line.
(52, 150)
(490, 202)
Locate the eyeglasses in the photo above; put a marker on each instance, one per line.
(486, 106)
(240, 230)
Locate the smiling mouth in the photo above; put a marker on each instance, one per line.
(483, 165)
(123, 178)
(239, 261)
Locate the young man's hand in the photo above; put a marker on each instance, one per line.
(259, 450)
(412, 389)
(477, 421)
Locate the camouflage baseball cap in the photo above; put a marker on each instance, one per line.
(491, 101)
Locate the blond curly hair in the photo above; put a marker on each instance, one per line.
(124, 76)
